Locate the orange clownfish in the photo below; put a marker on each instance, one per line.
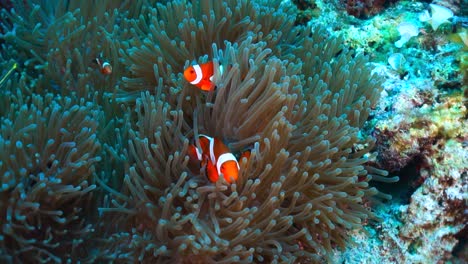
(201, 75)
(217, 158)
(104, 66)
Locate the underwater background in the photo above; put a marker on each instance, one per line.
(354, 115)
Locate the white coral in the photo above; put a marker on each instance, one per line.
(407, 30)
(440, 15)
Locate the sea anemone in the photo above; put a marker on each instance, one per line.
(48, 152)
(296, 99)
(291, 95)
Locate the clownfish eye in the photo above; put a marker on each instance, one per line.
(192, 71)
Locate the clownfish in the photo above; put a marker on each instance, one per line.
(217, 158)
(201, 75)
(104, 66)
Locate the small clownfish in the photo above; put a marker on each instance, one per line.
(104, 66)
(201, 75)
(217, 158)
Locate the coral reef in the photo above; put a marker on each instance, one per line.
(95, 168)
(435, 219)
(431, 123)
(307, 9)
(365, 8)
(427, 131)
(423, 139)
(292, 95)
(420, 126)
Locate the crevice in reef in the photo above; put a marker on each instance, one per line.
(410, 179)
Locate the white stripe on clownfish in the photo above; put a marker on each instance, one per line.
(199, 154)
(202, 75)
(212, 154)
(216, 157)
(199, 151)
(225, 157)
(222, 158)
(198, 73)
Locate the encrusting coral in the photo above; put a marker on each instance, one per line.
(293, 96)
